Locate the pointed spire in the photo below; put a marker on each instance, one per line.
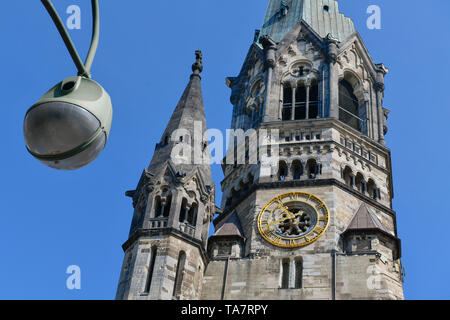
(186, 126)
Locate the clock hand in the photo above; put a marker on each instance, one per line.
(284, 219)
(285, 210)
(275, 222)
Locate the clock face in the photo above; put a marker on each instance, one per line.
(293, 220)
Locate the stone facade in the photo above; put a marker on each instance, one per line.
(315, 83)
(165, 255)
(138, 257)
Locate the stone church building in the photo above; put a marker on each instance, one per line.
(320, 224)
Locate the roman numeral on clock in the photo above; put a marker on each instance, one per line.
(318, 230)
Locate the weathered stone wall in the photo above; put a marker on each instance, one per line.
(367, 277)
(259, 278)
(361, 277)
(136, 267)
(258, 275)
(333, 267)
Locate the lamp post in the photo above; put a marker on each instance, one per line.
(68, 127)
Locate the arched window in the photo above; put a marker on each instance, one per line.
(167, 206)
(282, 171)
(372, 189)
(179, 275)
(297, 169)
(298, 273)
(347, 175)
(183, 210)
(349, 106)
(312, 169)
(158, 207)
(287, 103)
(151, 267)
(192, 215)
(359, 182)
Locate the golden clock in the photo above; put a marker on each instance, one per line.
(293, 220)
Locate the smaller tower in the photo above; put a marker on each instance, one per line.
(165, 255)
(228, 241)
(366, 233)
(367, 236)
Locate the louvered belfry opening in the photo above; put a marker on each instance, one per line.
(301, 102)
(349, 106)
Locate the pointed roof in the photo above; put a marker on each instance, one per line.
(231, 228)
(322, 15)
(188, 116)
(364, 219)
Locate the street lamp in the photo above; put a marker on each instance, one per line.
(68, 127)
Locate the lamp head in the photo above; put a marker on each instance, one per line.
(68, 127)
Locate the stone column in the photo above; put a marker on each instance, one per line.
(150, 210)
(367, 124)
(321, 93)
(188, 211)
(281, 102)
(352, 181)
(294, 90)
(308, 86)
(333, 85)
(163, 207)
(201, 216)
(379, 93)
(174, 215)
(269, 49)
(379, 87)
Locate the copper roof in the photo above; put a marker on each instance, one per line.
(364, 219)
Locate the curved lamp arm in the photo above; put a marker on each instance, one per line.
(83, 69)
(95, 35)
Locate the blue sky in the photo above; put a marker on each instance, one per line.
(50, 219)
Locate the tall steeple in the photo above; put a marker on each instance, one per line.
(290, 232)
(310, 78)
(165, 254)
(186, 126)
(322, 16)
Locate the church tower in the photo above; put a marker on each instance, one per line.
(320, 223)
(311, 217)
(165, 255)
